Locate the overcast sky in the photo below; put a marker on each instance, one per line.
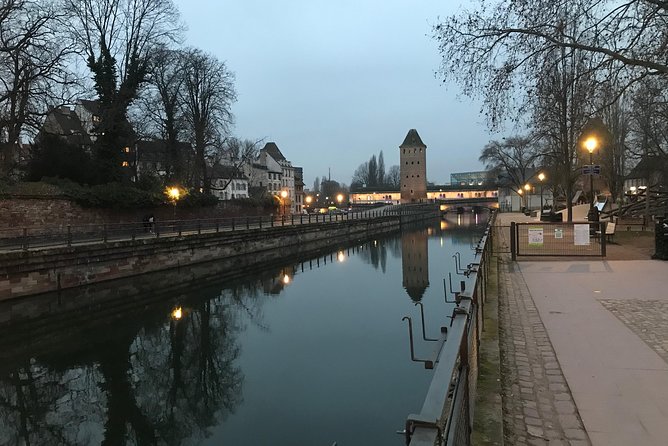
(333, 82)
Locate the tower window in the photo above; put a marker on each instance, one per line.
(412, 162)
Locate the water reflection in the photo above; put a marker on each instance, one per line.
(170, 358)
(415, 262)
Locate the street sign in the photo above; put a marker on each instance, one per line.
(591, 169)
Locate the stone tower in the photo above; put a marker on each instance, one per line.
(413, 167)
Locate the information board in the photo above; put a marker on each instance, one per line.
(581, 234)
(535, 236)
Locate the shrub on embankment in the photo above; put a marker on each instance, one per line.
(59, 203)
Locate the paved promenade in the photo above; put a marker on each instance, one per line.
(584, 351)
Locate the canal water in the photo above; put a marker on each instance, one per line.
(308, 353)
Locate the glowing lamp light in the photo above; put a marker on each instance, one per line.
(309, 199)
(284, 193)
(177, 313)
(541, 176)
(339, 198)
(174, 193)
(590, 144)
(340, 256)
(286, 279)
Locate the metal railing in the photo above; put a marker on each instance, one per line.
(36, 237)
(580, 239)
(446, 417)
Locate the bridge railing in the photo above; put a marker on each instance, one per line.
(45, 236)
(446, 417)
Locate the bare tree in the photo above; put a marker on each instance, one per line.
(118, 39)
(235, 154)
(161, 107)
(361, 174)
(33, 71)
(512, 159)
(393, 177)
(208, 96)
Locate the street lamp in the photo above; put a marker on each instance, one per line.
(284, 195)
(174, 194)
(527, 187)
(541, 177)
(590, 144)
(339, 199)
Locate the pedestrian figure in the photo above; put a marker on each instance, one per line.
(151, 223)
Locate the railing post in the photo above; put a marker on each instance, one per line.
(180, 228)
(104, 233)
(292, 219)
(309, 218)
(217, 226)
(283, 220)
(69, 236)
(24, 244)
(157, 228)
(260, 223)
(603, 237)
(271, 219)
(133, 232)
(301, 219)
(233, 223)
(247, 222)
(199, 227)
(513, 248)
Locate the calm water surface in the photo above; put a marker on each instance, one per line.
(306, 354)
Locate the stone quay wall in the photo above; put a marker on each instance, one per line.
(42, 271)
(57, 212)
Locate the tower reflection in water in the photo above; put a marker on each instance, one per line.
(415, 263)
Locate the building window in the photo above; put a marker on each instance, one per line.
(125, 164)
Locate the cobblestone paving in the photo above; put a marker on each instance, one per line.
(538, 407)
(646, 318)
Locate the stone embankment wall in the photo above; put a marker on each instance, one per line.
(58, 212)
(32, 272)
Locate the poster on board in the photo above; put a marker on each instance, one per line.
(581, 234)
(535, 236)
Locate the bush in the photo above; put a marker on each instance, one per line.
(198, 199)
(111, 195)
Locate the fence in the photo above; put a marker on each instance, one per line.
(579, 239)
(446, 417)
(17, 239)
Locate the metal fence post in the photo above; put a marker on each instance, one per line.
(292, 219)
(217, 226)
(233, 223)
(247, 222)
(104, 233)
(513, 248)
(271, 219)
(199, 227)
(260, 223)
(69, 236)
(603, 237)
(24, 244)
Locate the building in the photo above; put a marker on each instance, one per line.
(415, 263)
(228, 182)
(413, 168)
(472, 178)
(299, 190)
(287, 177)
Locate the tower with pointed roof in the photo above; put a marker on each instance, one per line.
(413, 168)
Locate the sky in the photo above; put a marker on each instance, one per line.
(334, 82)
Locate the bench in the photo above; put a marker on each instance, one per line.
(637, 223)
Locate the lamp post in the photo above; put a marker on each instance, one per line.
(339, 199)
(527, 187)
(284, 195)
(590, 144)
(541, 177)
(174, 194)
(520, 192)
(309, 200)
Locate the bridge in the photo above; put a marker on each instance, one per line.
(450, 196)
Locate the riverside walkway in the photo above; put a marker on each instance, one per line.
(584, 349)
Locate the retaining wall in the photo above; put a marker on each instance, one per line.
(34, 272)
